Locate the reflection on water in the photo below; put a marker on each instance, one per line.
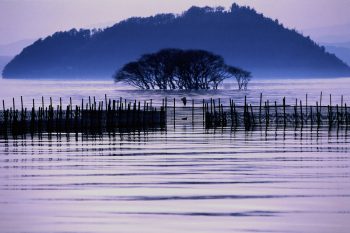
(208, 182)
(186, 179)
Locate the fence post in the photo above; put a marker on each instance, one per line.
(174, 113)
(192, 112)
(260, 108)
(284, 112)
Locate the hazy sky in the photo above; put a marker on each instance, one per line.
(21, 19)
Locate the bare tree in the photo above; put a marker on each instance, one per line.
(134, 74)
(246, 79)
(242, 77)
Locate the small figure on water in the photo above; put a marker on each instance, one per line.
(184, 101)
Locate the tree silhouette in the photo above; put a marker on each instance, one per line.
(242, 77)
(180, 69)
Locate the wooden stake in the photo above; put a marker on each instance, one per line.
(174, 113)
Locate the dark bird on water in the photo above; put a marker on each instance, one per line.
(184, 101)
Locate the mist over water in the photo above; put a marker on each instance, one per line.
(273, 90)
(183, 180)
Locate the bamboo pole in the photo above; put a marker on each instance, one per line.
(276, 113)
(203, 112)
(284, 112)
(174, 113)
(260, 108)
(192, 112)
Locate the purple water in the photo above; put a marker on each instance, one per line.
(182, 180)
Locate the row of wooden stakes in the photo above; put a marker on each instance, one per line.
(91, 117)
(114, 115)
(265, 115)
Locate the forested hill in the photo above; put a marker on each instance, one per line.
(242, 36)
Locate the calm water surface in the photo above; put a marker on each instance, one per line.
(182, 180)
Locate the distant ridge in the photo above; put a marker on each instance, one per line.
(242, 36)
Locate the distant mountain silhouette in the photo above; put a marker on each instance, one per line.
(243, 37)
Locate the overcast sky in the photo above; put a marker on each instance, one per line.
(21, 19)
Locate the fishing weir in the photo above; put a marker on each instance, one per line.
(113, 116)
(277, 115)
(107, 116)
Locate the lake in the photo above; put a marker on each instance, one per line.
(185, 179)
